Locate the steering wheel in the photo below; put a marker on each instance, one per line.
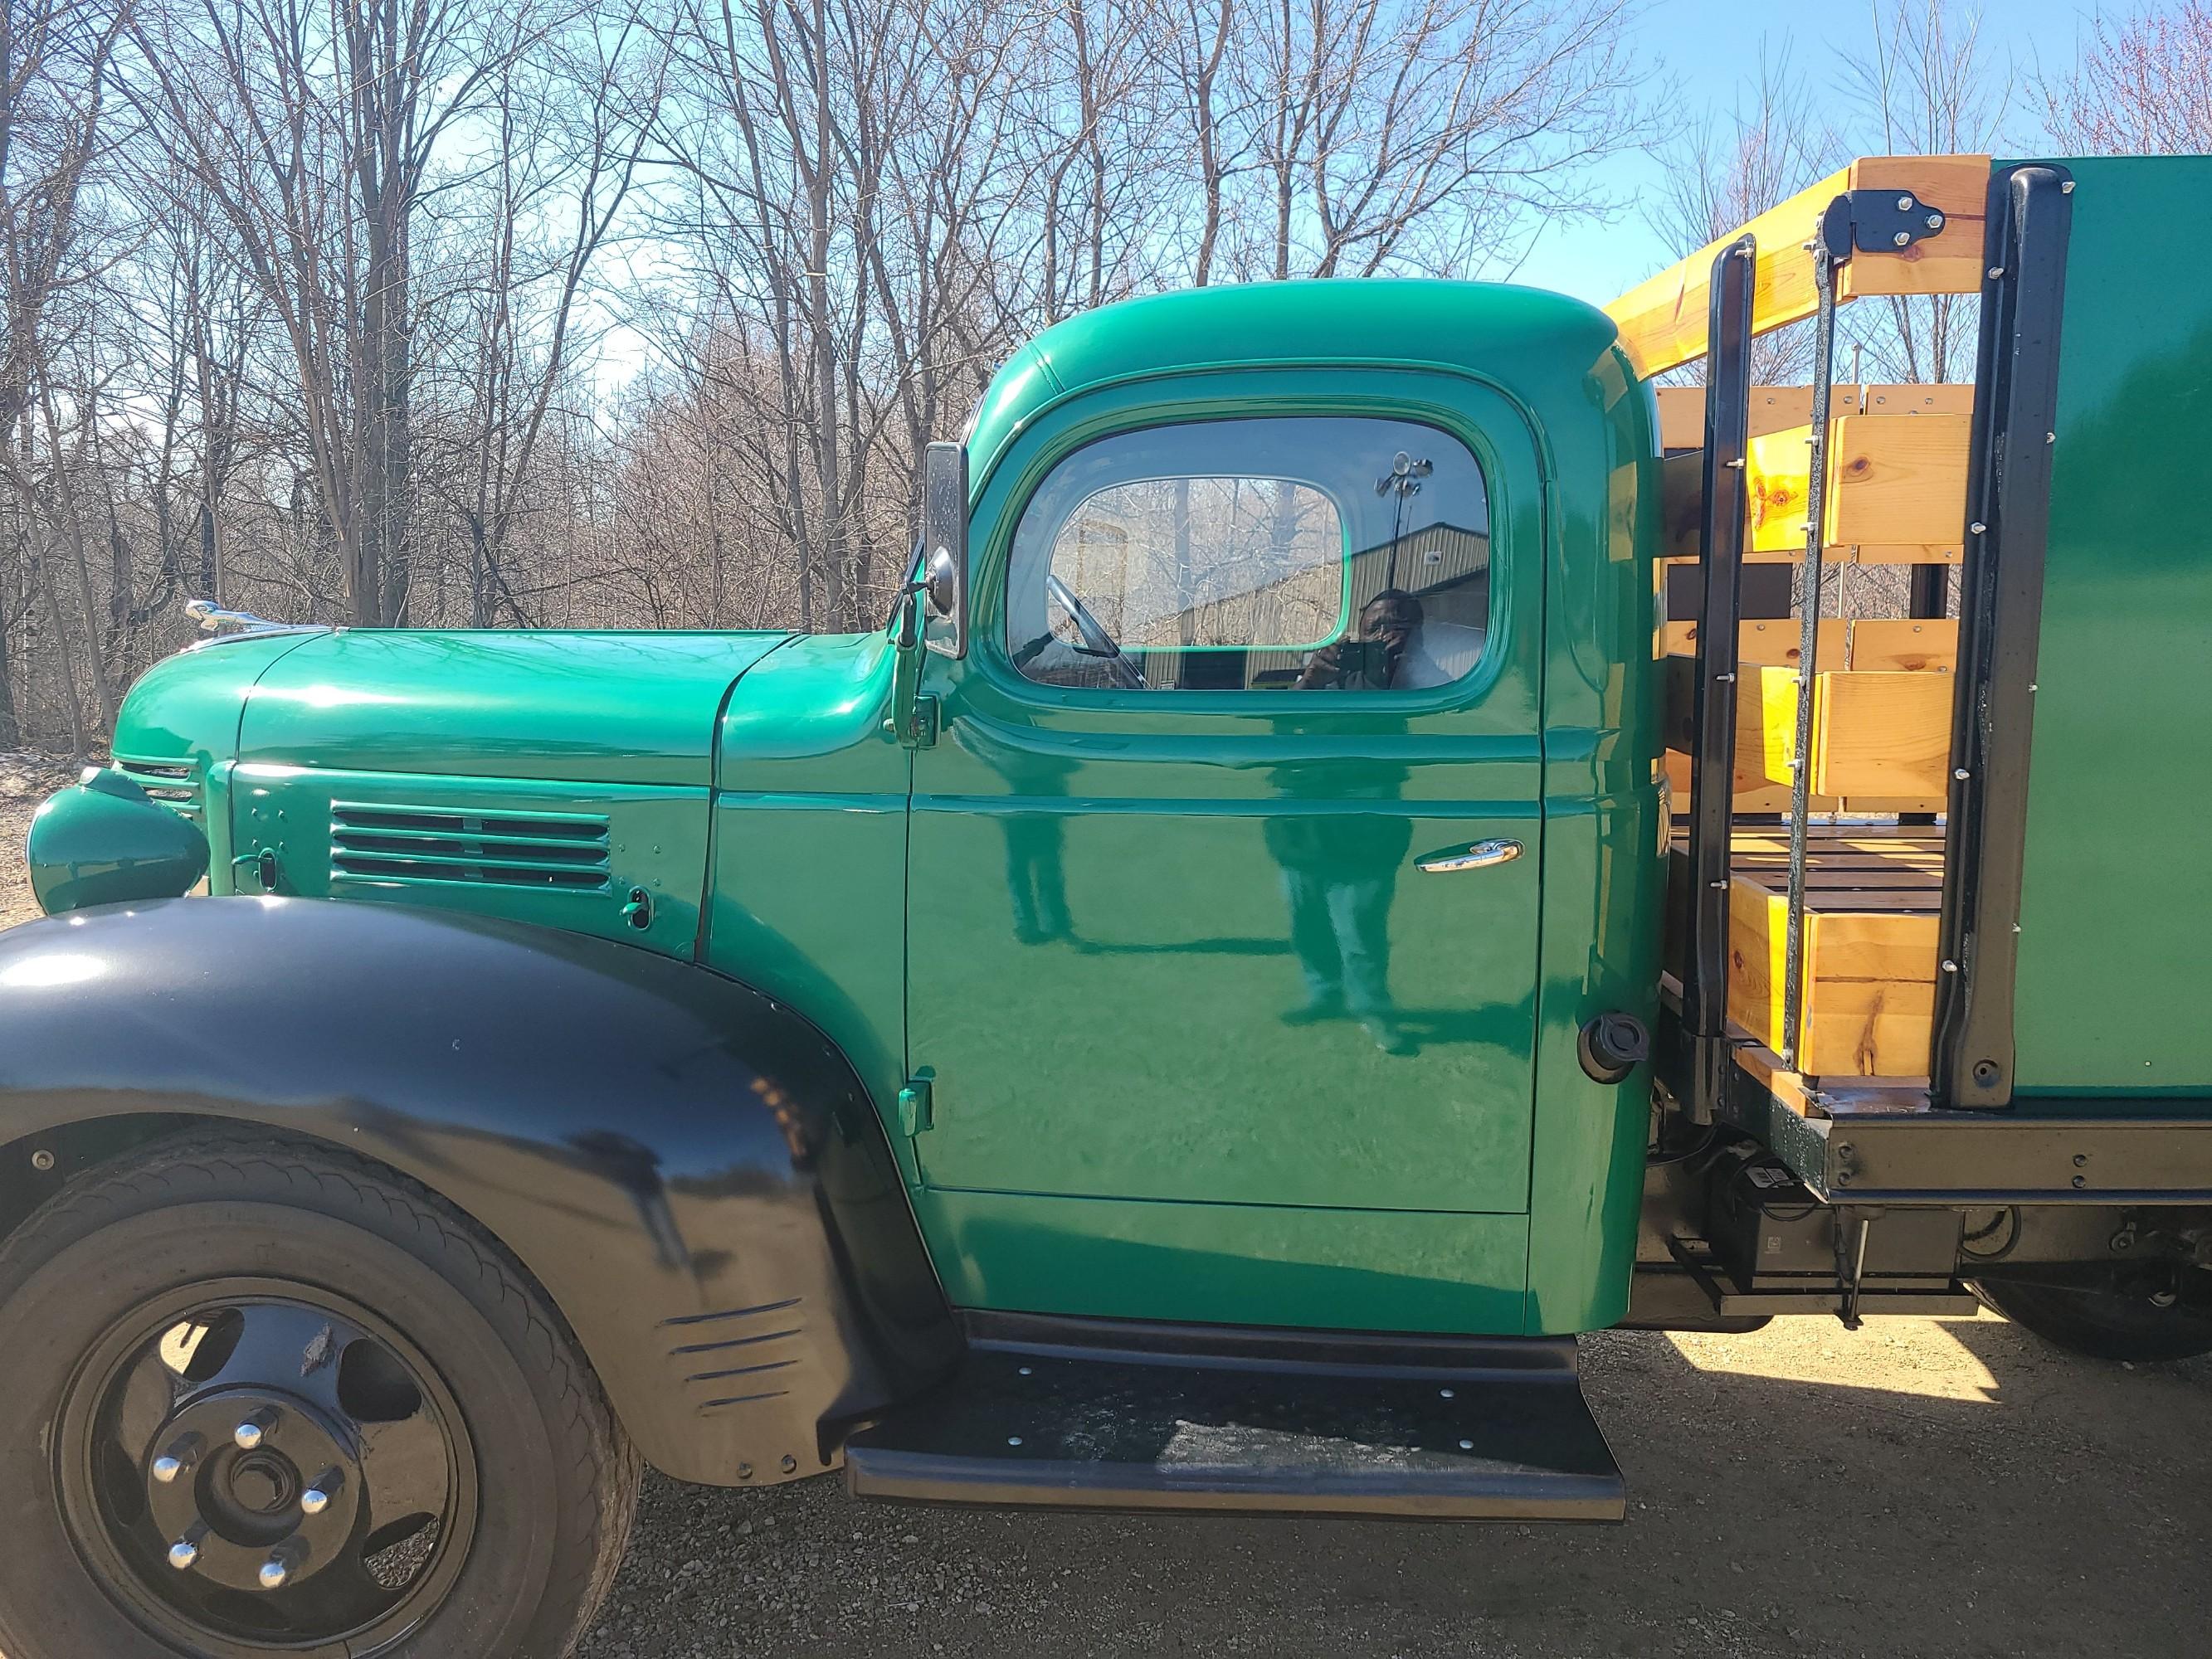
(1096, 641)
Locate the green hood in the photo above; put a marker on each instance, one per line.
(587, 708)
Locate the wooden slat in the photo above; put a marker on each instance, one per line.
(1906, 553)
(1898, 479)
(1870, 956)
(1880, 734)
(1662, 321)
(1890, 480)
(1774, 408)
(1770, 640)
(1869, 982)
(1903, 645)
(1886, 1094)
(1881, 737)
(1953, 398)
(1764, 799)
(1897, 492)
(1948, 262)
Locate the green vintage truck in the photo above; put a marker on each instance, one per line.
(1341, 872)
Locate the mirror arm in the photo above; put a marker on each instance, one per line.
(906, 616)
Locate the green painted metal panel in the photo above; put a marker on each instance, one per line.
(187, 709)
(1603, 864)
(1136, 1045)
(1148, 1048)
(599, 707)
(654, 838)
(810, 850)
(1327, 1269)
(2115, 953)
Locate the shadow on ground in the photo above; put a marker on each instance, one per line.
(1919, 1487)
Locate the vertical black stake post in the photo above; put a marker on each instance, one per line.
(1720, 603)
(1830, 246)
(1999, 628)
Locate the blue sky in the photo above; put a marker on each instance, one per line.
(1712, 48)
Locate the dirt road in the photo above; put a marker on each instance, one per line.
(1920, 1487)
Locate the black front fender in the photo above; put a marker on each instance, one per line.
(692, 1172)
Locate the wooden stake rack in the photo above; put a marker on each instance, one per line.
(1887, 481)
(1872, 892)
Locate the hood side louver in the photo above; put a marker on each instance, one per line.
(389, 846)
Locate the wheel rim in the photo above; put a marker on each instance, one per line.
(268, 1466)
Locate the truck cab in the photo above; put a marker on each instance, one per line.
(1319, 892)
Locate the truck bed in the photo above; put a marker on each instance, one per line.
(1873, 892)
(2043, 693)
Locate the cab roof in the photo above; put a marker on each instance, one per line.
(1534, 344)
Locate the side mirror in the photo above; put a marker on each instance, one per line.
(944, 548)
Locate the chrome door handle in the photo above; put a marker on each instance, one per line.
(1482, 855)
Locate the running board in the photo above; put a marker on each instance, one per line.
(1231, 1422)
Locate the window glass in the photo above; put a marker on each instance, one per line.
(1312, 554)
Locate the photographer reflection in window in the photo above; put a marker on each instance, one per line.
(1398, 647)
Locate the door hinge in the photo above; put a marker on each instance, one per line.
(915, 1103)
(922, 726)
(918, 730)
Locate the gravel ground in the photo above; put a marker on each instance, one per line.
(1920, 1487)
(1949, 1488)
(25, 781)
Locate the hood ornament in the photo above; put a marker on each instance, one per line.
(214, 619)
(222, 626)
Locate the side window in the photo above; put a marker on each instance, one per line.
(1314, 553)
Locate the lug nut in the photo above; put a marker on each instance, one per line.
(186, 1550)
(276, 1571)
(317, 1497)
(255, 1429)
(182, 1454)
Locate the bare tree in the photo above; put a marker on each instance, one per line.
(2139, 87)
(1931, 83)
(56, 61)
(1432, 135)
(314, 134)
(1723, 171)
(586, 313)
(567, 137)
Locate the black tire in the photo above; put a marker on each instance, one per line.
(2112, 1324)
(530, 1508)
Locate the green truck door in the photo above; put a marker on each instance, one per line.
(1169, 938)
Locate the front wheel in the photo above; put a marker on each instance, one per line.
(270, 1399)
(2156, 1317)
